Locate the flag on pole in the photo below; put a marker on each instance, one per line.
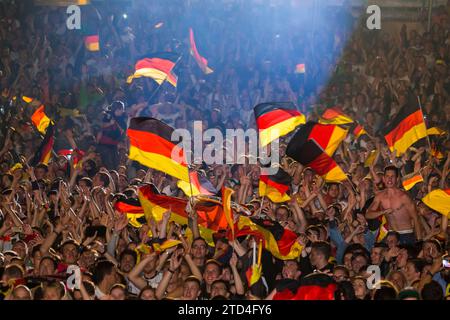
(201, 61)
(158, 67)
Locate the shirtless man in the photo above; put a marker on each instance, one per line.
(398, 208)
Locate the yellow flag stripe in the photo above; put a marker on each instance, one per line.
(280, 129)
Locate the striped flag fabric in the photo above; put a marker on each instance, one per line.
(133, 209)
(405, 129)
(276, 186)
(436, 131)
(276, 119)
(158, 67)
(151, 146)
(439, 201)
(358, 130)
(311, 155)
(201, 61)
(280, 242)
(44, 151)
(40, 119)
(410, 180)
(383, 229)
(335, 115)
(211, 217)
(226, 201)
(92, 42)
(198, 184)
(327, 136)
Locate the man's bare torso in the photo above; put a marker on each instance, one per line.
(399, 219)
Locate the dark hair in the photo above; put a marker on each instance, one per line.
(144, 289)
(344, 291)
(419, 264)
(130, 253)
(394, 233)
(192, 279)
(217, 263)
(58, 285)
(104, 178)
(227, 285)
(380, 245)
(432, 291)
(392, 168)
(323, 247)
(14, 271)
(386, 292)
(102, 269)
(55, 264)
(87, 180)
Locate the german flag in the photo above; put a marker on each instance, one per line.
(40, 119)
(61, 3)
(211, 217)
(405, 129)
(27, 99)
(133, 209)
(44, 152)
(383, 229)
(201, 61)
(370, 158)
(281, 243)
(410, 180)
(92, 42)
(436, 131)
(158, 67)
(335, 115)
(199, 184)
(327, 136)
(439, 201)
(276, 119)
(300, 68)
(151, 146)
(253, 273)
(311, 155)
(358, 131)
(226, 201)
(276, 186)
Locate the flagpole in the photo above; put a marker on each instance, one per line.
(428, 137)
(254, 252)
(165, 79)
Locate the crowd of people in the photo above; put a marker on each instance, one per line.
(56, 215)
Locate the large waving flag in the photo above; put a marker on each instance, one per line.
(159, 67)
(327, 136)
(133, 209)
(151, 146)
(276, 186)
(276, 119)
(44, 152)
(312, 155)
(201, 61)
(40, 119)
(211, 217)
(405, 129)
(335, 115)
(439, 201)
(281, 243)
(199, 184)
